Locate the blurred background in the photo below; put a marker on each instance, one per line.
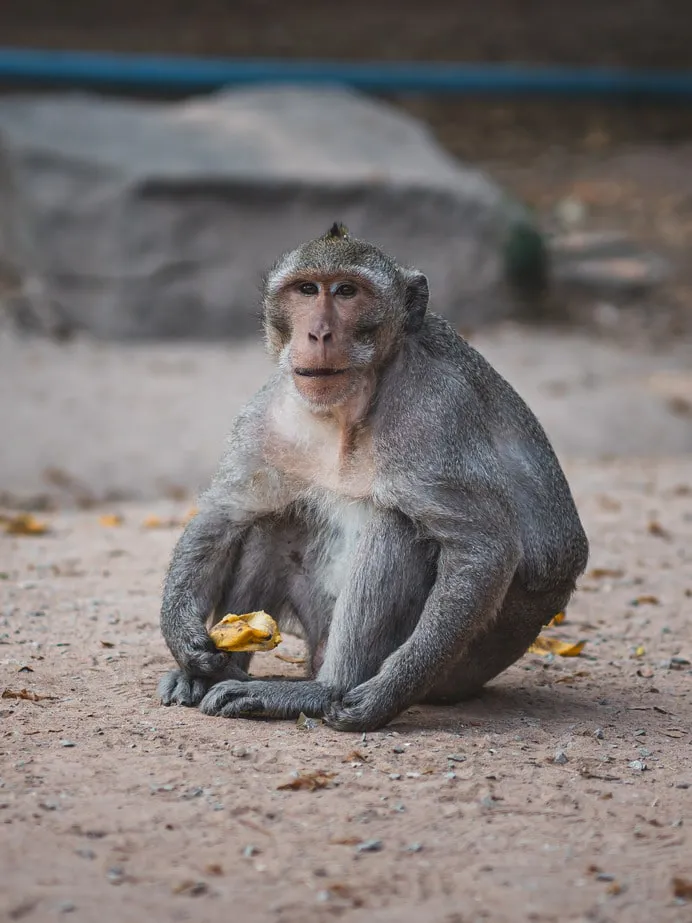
(534, 158)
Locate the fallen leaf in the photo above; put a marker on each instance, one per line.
(252, 631)
(655, 528)
(24, 524)
(545, 646)
(193, 888)
(646, 600)
(311, 781)
(107, 644)
(25, 694)
(152, 522)
(682, 887)
(355, 756)
(598, 573)
(346, 841)
(674, 732)
(287, 659)
(110, 520)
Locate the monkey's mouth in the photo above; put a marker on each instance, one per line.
(319, 373)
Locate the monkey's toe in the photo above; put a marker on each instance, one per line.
(176, 688)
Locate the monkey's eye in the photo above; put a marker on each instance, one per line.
(345, 290)
(307, 288)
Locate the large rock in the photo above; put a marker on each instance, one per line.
(145, 219)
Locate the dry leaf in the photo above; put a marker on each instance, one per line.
(287, 659)
(545, 646)
(253, 631)
(110, 520)
(598, 573)
(25, 694)
(355, 756)
(24, 524)
(676, 733)
(646, 600)
(346, 841)
(152, 522)
(655, 528)
(310, 781)
(682, 887)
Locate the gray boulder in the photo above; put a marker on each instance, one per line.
(141, 219)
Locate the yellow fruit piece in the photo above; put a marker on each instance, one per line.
(253, 631)
(557, 619)
(545, 646)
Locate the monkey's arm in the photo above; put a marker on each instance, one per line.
(202, 563)
(475, 528)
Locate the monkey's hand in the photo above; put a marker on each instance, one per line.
(267, 699)
(365, 708)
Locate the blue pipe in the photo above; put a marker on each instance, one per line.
(26, 67)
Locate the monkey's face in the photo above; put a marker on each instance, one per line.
(325, 329)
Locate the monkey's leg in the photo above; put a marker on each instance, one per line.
(518, 624)
(208, 578)
(390, 576)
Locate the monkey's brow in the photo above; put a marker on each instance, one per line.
(368, 278)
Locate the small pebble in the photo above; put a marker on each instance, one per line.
(250, 851)
(638, 765)
(398, 750)
(66, 907)
(456, 757)
(414, 847)
(239, 752)
(682, 784)
(67, 743)
(369, 846)
(598, 734)
(605, 876)
(394, 776)
(86, 853)
(115, 875)
(560, 757)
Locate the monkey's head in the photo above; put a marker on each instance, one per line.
(336, 309)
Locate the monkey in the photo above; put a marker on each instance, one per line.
(387, 491)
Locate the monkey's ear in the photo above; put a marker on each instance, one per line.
(416, 299)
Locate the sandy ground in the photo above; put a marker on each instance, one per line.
(563, 794)
(84, 421)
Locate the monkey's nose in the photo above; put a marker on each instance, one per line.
(320, 336)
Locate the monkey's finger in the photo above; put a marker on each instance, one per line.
(175, 688)
(221, 694)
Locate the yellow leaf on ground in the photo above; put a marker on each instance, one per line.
(152, 522)
(545, 646)
(253, 631)
(24, 524)
(110, 520)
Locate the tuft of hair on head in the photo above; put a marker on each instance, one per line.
(337, 231)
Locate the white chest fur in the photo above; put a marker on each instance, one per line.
(311, 448)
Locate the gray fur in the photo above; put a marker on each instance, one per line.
(417, 575)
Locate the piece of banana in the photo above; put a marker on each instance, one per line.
(253, 631)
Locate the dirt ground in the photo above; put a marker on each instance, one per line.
(563, 794)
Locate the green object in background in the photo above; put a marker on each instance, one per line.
(526, 258)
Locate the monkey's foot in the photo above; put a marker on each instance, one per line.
(266, 699)
(177, 688)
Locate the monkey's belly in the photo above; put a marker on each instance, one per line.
(341, 524)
